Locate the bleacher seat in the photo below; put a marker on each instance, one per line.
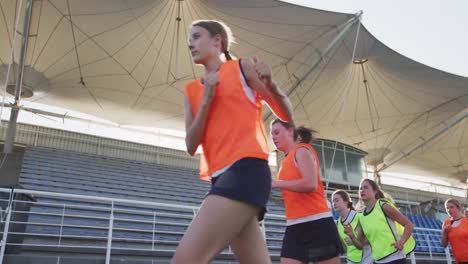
(52, 170)
(77, 173)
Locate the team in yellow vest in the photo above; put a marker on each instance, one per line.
(380, 228)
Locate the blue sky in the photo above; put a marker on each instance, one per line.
(432, 32)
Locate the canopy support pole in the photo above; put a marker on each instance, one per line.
(426, 138)
(348, 24)
(11, 130)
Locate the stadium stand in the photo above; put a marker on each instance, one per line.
(76, 195)
(82, 226)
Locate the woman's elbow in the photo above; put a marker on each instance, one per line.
(443, 243)
(283, 115)
(311, 188)
(410, 226)
(191, 150)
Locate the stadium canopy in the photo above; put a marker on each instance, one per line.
(127, 61)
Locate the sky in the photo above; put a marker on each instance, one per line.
(432, 32)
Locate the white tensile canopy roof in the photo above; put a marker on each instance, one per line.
(127, 61)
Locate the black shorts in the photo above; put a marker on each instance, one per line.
(316, 240)
(247, 180)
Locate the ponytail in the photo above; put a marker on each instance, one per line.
(379, 194)
(228, 55)
(304, 135)
(301, 134)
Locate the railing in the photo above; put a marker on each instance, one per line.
(77, 213)
(105, 216)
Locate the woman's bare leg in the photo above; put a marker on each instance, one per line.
(219, 221)
(250, 246)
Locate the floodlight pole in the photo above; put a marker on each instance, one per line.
(11, 130)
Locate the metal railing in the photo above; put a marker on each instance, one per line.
(96, 215)
(98, 221)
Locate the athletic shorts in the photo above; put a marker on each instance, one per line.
(316, 240)
(247, 180)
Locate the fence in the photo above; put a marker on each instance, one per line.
(104, 225)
